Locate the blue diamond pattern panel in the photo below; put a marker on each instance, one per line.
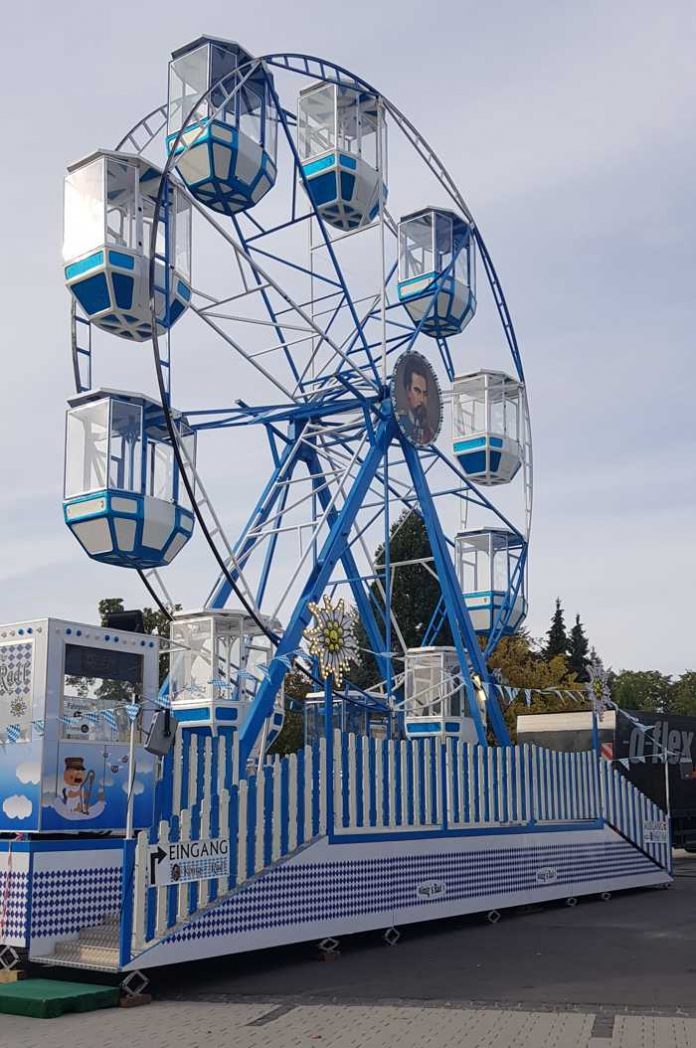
(64, 901)
(300, 893)
(14, 903)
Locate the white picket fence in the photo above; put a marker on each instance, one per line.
(379, 787)
(446, 784)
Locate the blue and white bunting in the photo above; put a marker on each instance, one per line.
(14, 732)
(110, 718)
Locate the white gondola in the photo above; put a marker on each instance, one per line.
(125, 502)
(487, 562)
(342, 147)
(110, 201)
(435, 694)
(218, 662)
(437, 271)
(488, 425)
(223, 100)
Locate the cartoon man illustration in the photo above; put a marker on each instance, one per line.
(414, 419)
(77, 790)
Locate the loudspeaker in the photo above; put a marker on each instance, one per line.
(126, 620)
(160, 737)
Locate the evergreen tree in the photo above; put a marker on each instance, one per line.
(578, 647)
(415, 593)
(557, 638)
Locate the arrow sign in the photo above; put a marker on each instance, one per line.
(156, 855)
(181, 861)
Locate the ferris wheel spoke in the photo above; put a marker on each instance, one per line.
(213, 525)
(244, 546)
(351, 340)
(154, 583)
(242, 352)
(265, 277)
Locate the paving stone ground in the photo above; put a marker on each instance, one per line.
(599, 975)
(196, 1024)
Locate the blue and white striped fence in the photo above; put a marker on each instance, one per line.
(380, 787)
(636, 817)
(446, 784)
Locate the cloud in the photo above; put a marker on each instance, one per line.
(138, 787)
(17, 806)
(29, 771)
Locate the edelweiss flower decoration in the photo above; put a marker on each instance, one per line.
(332, 638)
(598, 687)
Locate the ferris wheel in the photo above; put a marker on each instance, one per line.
(304, 269)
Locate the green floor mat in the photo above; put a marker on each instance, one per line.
(47, 998)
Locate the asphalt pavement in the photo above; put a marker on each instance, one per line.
(633, 954)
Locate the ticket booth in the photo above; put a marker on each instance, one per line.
(69, 693)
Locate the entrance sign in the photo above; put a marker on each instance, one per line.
(185, 861)
(655, 831)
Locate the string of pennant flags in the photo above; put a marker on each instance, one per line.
(596, 692)
(13, 732)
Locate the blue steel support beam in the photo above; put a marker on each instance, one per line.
(465, 639)
(319, 576)
(352, 573)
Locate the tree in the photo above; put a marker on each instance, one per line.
(682, 694)
(578, 648)
(519, 663)
(292, 734)
(641, 690)
(155, 622)
(415, 593)
(557, 638)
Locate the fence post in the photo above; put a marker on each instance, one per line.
(444, 779)
(140, 878)
(126, 926)
(162, 894)
(530, 783)
(242, 830)
(328, 789)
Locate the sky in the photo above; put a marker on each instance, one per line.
(569, 129)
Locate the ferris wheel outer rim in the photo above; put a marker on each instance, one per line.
(432, 160)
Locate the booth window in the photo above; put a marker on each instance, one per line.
(97, 680)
